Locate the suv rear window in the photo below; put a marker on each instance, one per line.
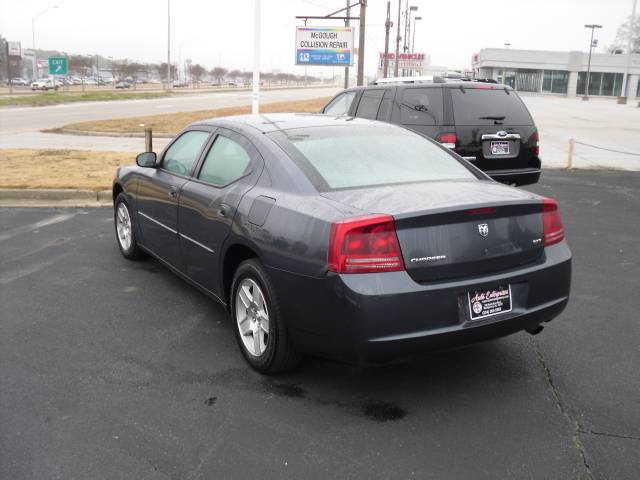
(356, 156)
(485, 106)
(421, 106)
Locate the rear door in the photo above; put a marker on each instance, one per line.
(370, 102)
(494, 129)
(208, 203)
(158, 192)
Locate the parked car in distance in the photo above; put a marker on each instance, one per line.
(44, 84)
(485, 123)
(123, 84)
(180, 84)
(318, 244)
(19, 82)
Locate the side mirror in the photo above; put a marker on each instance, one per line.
(146, 159)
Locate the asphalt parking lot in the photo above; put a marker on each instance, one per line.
(114, 369)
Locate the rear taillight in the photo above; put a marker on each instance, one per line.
(551, 222)
(365, 244)
(536, 148)
(448, 139)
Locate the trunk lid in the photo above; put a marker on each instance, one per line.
(456, 228)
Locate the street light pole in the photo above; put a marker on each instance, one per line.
(586, 87)
(255, 95)
(625, 79)
(347, 24)
(362, 26)
(33, 38)
(168, 44)
(413, 42)
(395, 68)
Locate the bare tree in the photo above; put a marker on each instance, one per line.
(197, 72)
(218, 73)
(622, 37)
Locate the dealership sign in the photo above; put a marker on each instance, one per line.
(324, 46)
(15, 49)
(408, 61)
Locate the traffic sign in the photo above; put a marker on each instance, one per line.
(58, 65)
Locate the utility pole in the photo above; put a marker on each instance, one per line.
(168, 44)
(413, 43)
(346, 69)
(625, 79)
(387, 26)
(586, 87)
(6, 44)
(395, 68)
(363, 23)
(255, 94)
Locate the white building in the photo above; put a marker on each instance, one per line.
(562, 73)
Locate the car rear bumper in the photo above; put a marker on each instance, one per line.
(519, 176)
(377, 317)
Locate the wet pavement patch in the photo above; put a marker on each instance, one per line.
(286, 389)
(382, 411)
(210, 401)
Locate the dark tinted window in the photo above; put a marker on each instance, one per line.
(485, 106)
(226, 162)
(385, 106)
(183, 153)
(421, 106)
(369, 104)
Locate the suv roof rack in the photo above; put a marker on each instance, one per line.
(417, 79)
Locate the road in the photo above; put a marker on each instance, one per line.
(115, 369)
(32, 119)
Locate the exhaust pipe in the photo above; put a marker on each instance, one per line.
(535, 330)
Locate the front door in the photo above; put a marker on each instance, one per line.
(208, 204)
(158, 193)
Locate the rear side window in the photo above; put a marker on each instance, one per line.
(421, 106)
(484, 106)
(341, 104)
(385, 106)
(226, 162)
(369, 104)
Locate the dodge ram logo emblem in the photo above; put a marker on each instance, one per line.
(483, 229)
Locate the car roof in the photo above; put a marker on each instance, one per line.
(271, 122)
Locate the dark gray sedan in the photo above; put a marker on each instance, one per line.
(343, 238)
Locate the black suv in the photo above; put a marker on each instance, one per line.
(485, 123)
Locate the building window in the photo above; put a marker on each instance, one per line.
(605, 84)
(555, 81)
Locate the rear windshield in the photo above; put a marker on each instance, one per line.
(483, 106)
(357, 156)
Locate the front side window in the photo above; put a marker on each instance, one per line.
(341, 104)
(184, 152)
(226, 162)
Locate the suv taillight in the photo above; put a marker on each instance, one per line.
(448, 139)
(552, 227)
(365, 244)
(536, 148)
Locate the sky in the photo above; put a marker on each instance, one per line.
(220, 32)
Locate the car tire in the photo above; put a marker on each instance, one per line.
(125, 231)
(255, 312)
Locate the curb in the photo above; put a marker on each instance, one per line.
(45, 197)
(85, 133)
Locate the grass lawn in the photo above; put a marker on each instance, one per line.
(172, 123)
(54, 98)
(26, 168)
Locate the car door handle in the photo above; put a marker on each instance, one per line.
(173, 191)
(223, 210)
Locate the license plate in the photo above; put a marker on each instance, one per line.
(489, 302)
(499, 148)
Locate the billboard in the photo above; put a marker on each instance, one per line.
(15, 49)
(408, 61)
(324, 46)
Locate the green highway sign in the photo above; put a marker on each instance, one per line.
(58, 65)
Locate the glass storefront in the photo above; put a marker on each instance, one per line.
(604, 84)
(555, 81)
